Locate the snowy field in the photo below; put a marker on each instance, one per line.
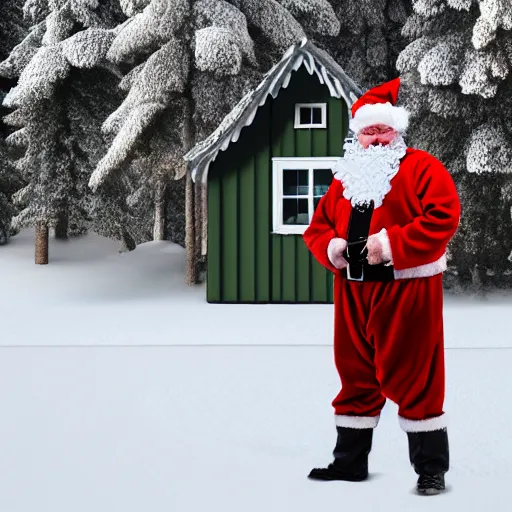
(91, 295)
(123, 390)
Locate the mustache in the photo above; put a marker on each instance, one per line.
(376, 140)
(376, 144)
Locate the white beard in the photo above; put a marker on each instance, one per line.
(366, 174)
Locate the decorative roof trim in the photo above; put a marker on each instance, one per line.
(313, 58)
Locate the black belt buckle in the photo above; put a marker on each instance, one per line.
(351, 278)
(356, 251)
(356, 254)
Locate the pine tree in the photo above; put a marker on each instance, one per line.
(189, 63)
(457, 83)
(56, 106)
(12, 27)
(9, 183)
(370, 40)
(12, 31)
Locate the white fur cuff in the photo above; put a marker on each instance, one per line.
(429, 425)
(335, 250)
(380, 113)
(356, 421)
(430, 269)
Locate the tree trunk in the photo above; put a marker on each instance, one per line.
(61, 229)
(476, 277)
(191, 263)
(159, 226)
(190, 218)
(41, 244)
(127, 242)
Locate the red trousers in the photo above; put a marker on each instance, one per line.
(389, 343)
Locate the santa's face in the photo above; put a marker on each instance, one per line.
(366, 171)
(376, 134)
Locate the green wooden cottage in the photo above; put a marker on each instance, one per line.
(261, 175)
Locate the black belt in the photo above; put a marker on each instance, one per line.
(358, 268)
(356, 252)
(365, 272)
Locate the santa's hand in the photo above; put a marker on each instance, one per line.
(374, 251)
(379, 250)
(335, 251)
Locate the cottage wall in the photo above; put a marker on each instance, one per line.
(246, 262)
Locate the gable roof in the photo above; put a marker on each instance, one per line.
(313, 58)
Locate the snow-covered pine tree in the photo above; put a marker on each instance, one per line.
(189, 62)
(56, 106)
(370, 38)
(12, 31)
(9, 183)
(458, 84)
(12, 27)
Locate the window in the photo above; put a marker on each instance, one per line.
(311, 115)
(299, 184)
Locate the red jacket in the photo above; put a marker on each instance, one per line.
(420, 215)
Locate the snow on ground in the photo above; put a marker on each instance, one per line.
(91, 295)
(194, 429)
(96, 416)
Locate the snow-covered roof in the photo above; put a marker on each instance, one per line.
(313, 58)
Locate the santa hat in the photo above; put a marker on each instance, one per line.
(377, 106)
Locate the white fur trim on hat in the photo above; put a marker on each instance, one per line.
(359, 422)
(380, 113)
(438, 423)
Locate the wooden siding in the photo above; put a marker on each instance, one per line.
(246, 262)
(239, 218)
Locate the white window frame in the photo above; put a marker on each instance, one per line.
(278, 166)
(322, 124)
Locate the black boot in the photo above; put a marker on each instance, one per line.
(350, 456)
(430, 458)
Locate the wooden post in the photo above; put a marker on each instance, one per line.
(159, 225)
(41, 245)
(190, 199)
(190, 235)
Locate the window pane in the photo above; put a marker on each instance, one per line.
(305, 115)
(295, 211)
(322, 179)
(317, 115)
(295, 182)
(316, 200)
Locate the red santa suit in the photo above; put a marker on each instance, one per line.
(388, 339)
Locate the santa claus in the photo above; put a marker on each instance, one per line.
(383, 228)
